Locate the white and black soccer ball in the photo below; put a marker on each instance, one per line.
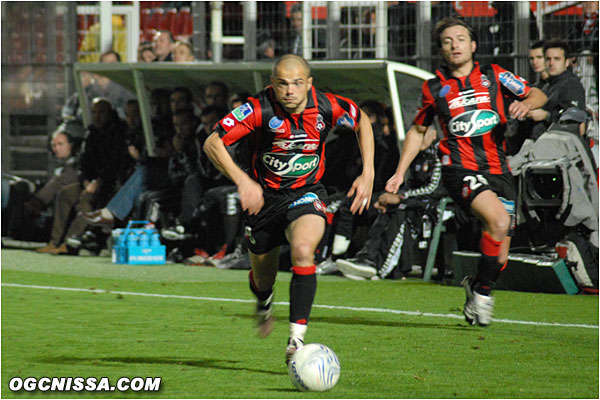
(314, 367)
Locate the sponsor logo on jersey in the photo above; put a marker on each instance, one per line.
(352, 111)
(473, 123)
(444, 91)
(228, 122)
(469, 99)
(319, 125)
(319, 206)
(242, 111)
(512, 83)
(346, 120)
(305, 144)
(485, 82)
(290, 165)
(306, 199)
(275, 122)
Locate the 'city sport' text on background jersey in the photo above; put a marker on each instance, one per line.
(288, 149)
(472, 111)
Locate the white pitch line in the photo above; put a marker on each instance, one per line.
(369, 309)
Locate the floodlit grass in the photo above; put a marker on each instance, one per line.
(199, 337)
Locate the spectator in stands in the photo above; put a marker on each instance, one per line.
(146, 52)
(265, 49)
(162, 123)
(181, 164)
(181, 98)
(183, 52)
(584, 34)
(294, 45)
(583, 39)
(564, 89)
(103, 165)
(216, 93)
(24, 206)
(237, 99)
(388, 249)
(98, 86)
(90, 45)
(538, 63)
(163, 42)
(199, 181)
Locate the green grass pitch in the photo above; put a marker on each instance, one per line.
(193, 327)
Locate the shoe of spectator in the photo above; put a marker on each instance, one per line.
(239, 259)
(176, 232)
(175, 256)
(202, 253)
(47, 248)
(99, 218)
(355, 277)
(357, 266)
(220, 254)
(294, 344)
(327, 266)
(60, 250)
(195, 260)
(74, 241)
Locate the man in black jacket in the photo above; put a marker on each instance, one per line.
(564, 89)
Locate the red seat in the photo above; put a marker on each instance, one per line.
(185, 22)
(171, 21)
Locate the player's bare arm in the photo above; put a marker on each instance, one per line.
(250, 191)
(412, 146)
(363, 184)
(534, 99)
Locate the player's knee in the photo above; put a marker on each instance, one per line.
(499, 224)
(302, 253)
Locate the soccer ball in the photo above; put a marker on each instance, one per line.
(314, 367)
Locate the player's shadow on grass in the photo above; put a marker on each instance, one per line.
(453, 325)
(201, 363)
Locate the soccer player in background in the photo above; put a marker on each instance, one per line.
(286, 125)
(473, 103)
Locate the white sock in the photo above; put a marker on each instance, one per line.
(297, 330)
(105, 212)
(340, 245)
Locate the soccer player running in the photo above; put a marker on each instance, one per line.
(472, 103)
(287, 124)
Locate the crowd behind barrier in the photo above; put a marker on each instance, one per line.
(110, 178)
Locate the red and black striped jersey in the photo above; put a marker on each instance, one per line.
(288, 149)
(472, 111)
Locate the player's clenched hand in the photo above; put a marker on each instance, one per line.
(394, 183)
(385, 200)
(251, 196)
(519, 109)
(363, 188)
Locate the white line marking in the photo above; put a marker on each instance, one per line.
(369, 309)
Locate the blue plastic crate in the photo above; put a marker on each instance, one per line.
(137, 245)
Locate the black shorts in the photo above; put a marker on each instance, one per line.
(464, 185)
(266, 230)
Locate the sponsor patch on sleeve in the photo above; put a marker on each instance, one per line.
(242, 112)
(512, 83)
(346, 120)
